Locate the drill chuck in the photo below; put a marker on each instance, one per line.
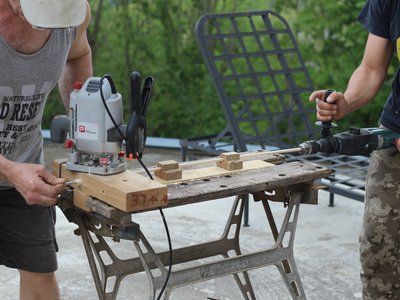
(309, 147)
(325, 145)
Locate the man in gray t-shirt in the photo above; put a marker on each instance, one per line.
(42, 43)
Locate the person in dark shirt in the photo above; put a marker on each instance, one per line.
(380, 234)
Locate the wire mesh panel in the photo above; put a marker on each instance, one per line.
(263, 85)
(260, 77)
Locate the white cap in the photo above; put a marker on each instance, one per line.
(54, 13)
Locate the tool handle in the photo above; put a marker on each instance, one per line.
(146, 93)
(133, 129)
(136, 98)
(326, 125)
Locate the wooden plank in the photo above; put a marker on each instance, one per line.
(127, 191)
(267, 156)
(288, 174)
(214, 171)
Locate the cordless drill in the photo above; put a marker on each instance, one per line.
(356, 141)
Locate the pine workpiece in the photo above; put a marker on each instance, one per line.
(201, 171)
(127, 191)
(203, 180)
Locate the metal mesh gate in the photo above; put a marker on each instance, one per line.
(263, 86)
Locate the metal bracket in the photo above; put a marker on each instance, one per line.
(281, 194)
(101, 225)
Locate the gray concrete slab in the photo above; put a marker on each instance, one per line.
(326, 249)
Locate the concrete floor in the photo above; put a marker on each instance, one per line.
(326, 249)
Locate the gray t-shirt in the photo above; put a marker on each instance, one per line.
(25, 83)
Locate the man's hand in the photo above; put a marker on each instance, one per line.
(334, 108)
(35, 183)
(363, 85)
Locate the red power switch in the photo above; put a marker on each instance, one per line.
(77, 85)
(69, 143)
(104, 160)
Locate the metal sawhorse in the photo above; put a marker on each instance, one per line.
(290, 183)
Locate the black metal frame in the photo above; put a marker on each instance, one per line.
(263, 83)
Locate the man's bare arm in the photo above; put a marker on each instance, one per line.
(363, 85)
(79, 62)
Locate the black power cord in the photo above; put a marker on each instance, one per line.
(123, 137)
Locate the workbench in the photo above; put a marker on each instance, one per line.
(291, 184)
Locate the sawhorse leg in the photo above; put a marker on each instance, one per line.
(226, 243)
(280, 255)
(104, 274)
(287, 266)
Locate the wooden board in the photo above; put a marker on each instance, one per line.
(296, 176)
(214, 171)
(133, 191)
(127, 191)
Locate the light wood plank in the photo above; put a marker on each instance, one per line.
(127, 191)
(214, 171)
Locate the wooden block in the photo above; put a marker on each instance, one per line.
(80, 199)
(230, 165)
(230, 161)
(230, 156)
(56, 166)
(169, 175)
(127, 191)
(168, 165)
(168, 170)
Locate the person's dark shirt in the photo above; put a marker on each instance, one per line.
(382, 18)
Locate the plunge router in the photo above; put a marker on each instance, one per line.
(94, 124)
